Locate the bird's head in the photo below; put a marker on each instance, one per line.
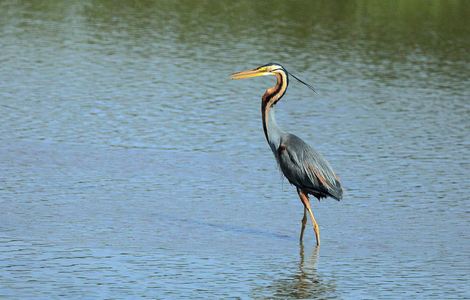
(264, 70)
(269, 69)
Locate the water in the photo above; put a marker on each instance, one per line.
(133, 167)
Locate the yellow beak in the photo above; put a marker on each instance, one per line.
(250, 73)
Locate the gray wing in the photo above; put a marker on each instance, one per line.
(307, 169)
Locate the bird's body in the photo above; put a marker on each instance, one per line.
(307, 169)
(304, 167)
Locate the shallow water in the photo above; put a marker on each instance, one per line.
(133, 167)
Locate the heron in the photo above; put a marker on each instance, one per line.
(303, 167)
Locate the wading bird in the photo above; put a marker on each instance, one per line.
(301, 164)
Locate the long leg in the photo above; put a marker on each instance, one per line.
(304, 221)
(304, 198)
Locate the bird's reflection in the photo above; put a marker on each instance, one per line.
(304, 282)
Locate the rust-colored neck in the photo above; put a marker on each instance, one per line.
(272, 95)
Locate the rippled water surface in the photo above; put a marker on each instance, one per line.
(131, 166)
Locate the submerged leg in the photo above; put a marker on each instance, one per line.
(304, 198)
(304, 221)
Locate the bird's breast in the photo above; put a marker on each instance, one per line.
(281, 149)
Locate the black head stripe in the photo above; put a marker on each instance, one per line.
(303, 82)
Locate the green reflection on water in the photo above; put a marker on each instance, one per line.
(439, 27)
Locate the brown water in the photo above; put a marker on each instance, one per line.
(132, 167)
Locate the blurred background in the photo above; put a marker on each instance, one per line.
(132, 166)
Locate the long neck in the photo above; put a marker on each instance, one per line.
(272, 132)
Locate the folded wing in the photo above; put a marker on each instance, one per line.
(307, 169)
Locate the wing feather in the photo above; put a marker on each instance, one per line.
(307, 169)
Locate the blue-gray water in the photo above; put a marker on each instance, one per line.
(132, 167)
